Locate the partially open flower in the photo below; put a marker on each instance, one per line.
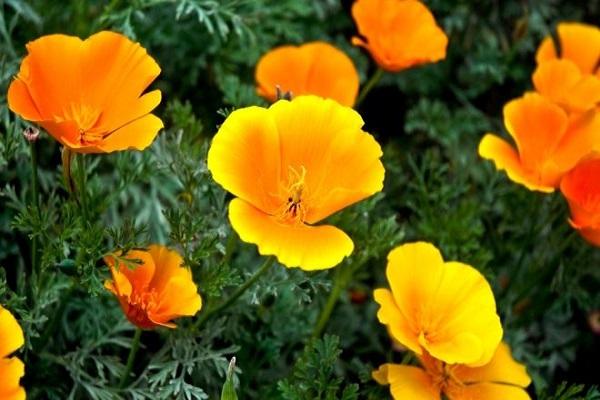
(399, 34)
(549, 142)
(88, 93)
(579, 43)
(314, 68)
(153, 286)
(291, 166)
(446, 309)
(11, 368)
(581, 188)
(502, 378)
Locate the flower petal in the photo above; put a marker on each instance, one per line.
(11, 371)
(11, 334)
(307, 247)
(179, 297)
(136, 135)
(399, 327)
(406, 382)
(502, 368)
(489, 391)
(20, 101)
(506, 158)
(137, 266)
(244, 158)
(399, 34)
(316, 68)
(326, 139)
(579, 43)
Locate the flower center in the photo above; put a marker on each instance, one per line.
(85, 117)
(294, 208)
(139, 305)
(442, 375)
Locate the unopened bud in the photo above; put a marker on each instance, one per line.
(31, 134)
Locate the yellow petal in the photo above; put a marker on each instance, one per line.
(307, 247)
(406, 382)
(244, 158)
(399, 327)
(11, 371)
(502, 368)
(11, 335)
(342, 162)
(316, 68)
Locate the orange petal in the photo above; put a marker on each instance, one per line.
(137, 266)
(11, 371)
(244, 158)
(11, 335)
(406, 382)
(168, 264)
(506, 158)
(488, 391)
(502, 368)
(316, 68)
(136, 135)
(581, 188)
(20, 101)
(342, 161)
(307, 247)
(399, 34)
(179, 297)
(581, 44)
(537, 125)
(581, 139)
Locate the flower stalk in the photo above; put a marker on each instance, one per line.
(238, 292)
(135, 345)
(371, 83)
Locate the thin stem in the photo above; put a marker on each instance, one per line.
(339, 281)
(35, 201)
(371, 83)
(82, 186)
(238, 292)
(135, 345)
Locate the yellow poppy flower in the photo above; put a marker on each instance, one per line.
(446, 309)
(87, 94)
(549, 141)
(153, 286)
(291, 166)
(399, 34)
(314, 68)
(502, 378)
(11, 368)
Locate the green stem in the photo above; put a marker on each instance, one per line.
(339, 282)
(371, 83)
(82, 186)
(238, 292)
(135, 345)
(35, 201)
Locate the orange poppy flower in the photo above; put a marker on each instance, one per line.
(446, 309)
(549, 142)
(291, 166)
(11, 368)
(399, 34)
(501, 379)
(88, 93)
(581, 188)
(579, 43)
(153, 286)
(314, 68)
